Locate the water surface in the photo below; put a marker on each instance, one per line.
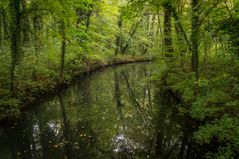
(115, 113)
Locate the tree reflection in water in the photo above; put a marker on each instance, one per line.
(116, 113)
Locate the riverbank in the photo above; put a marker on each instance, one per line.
(214, 107)
(91, 112)
(30, 93)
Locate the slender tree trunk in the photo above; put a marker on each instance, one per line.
(6, 27)
(205, 53)
(15, 39)
(78, 20)
(167, 29)
(216, 45)
(37, 26)
(151, 29)
(159, 29)
(84, 17)
(195, 36)
(180, 27)
(118, 37)
(63, 50)
(87, 23)
(25, 24)
(1, 28)
(180, 37)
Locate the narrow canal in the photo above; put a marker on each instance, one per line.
(114, 113)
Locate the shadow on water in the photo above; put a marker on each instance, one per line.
(117, 113)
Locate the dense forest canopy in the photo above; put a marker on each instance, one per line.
(46, 43)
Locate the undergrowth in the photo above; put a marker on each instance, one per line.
(215, 107)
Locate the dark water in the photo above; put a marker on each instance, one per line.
(116, 113)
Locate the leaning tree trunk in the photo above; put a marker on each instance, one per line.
(84, 16)
(131, 34)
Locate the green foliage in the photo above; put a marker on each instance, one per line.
(224, 131)
(216, 106)
(68, 37)
(213, 95)
(90, 32)
(9, 107)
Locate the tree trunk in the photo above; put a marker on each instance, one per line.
(1, 28)
(159, 29)
(180, 26)
(151, 33)
(167, 29)
(6, 27)
(195, 36)
(88, 20)
(118, 37)
(15, 39)
(63, 50)
(37, 26)
(131, 34)
(180, 34)
(84, 15)
(25, 24)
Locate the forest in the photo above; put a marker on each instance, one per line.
(45, 45)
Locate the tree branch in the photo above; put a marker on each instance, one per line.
(206, 14)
